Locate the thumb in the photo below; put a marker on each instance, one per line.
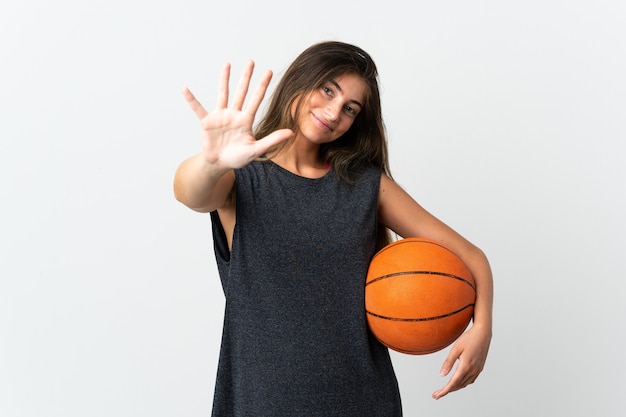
(273, 139)
(448, 363)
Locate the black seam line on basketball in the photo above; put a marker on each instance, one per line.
(443, 316)
(395, 274)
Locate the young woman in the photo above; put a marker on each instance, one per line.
(299, 205)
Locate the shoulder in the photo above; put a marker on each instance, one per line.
(251, 171)
(368, 173)
(391, 194)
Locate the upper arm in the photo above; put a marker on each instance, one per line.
(224, 192)
(399, 212)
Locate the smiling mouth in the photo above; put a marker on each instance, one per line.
(322, 122)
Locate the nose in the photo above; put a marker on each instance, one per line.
(333, 110)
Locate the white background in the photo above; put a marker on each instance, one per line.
(505, 119)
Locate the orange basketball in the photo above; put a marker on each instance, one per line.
(419, 296)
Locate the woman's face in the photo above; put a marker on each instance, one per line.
(329, 111)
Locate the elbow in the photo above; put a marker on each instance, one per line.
(183, 198)
(179, 194)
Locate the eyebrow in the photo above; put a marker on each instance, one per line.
(333, 82)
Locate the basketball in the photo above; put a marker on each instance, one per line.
(419, 296)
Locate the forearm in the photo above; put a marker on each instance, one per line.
(202, 186)
(481, 271)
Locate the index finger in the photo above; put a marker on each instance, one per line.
(222, 90)
(462, 377)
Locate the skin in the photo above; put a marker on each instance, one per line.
(204, 182)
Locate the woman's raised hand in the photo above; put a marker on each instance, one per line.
(227, 136)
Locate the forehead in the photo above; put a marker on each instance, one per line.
(352, 86)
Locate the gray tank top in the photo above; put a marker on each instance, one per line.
(295, 339)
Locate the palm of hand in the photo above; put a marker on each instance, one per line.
(227, 138)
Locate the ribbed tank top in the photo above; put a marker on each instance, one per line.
(295, 340)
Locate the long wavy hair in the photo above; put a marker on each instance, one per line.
(365, 143)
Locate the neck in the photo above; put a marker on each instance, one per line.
(302, 158)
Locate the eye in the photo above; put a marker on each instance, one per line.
(327, 90)
(350, 110)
